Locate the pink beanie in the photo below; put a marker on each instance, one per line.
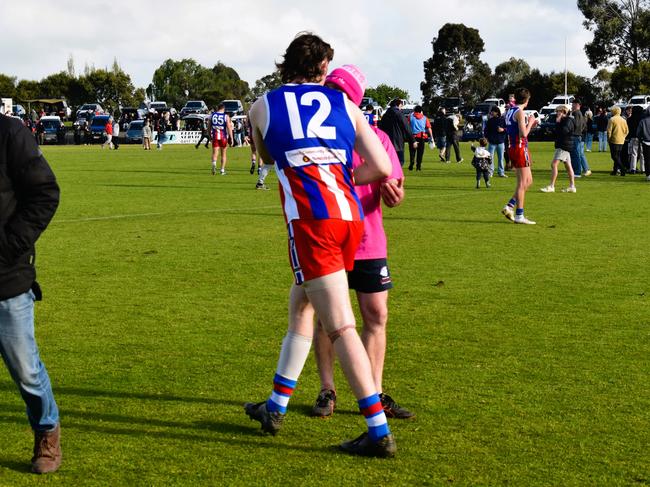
(350, 79)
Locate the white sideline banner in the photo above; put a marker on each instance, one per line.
(179, 137)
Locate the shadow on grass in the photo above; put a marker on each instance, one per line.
(16, 465)
(86, 392)
(208, 432)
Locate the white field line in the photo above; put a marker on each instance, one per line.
(223, 210)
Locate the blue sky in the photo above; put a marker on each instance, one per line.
(389, 40)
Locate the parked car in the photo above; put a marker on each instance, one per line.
(157, 106)
(97, 127)
(53, 129)
(90, 107)
(134, 132)
(546, 129)
(128, 114)
(639, 100)
(194, 106)
(473, 127)
(498, 102)
(234, 107)
(18, 111)
(556, 102)
(453, 104)
(195, 121)
(57, 108)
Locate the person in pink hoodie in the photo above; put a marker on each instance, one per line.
(370, 277)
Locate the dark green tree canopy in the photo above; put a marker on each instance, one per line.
(173, 78)
(621, 31)
(455, 69)
(266, 84)
(383, 94)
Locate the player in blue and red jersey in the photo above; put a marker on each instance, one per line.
(310, 131)
(518, 126)
(220, 130)
(370, 115)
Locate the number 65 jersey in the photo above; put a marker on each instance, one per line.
(310, 135)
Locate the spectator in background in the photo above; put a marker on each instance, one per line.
(146, 134)
(108, 132)
(617, 130)
(394, 124)
(563, 145)
(589, 134)
(40, 132)
(633, 149)
(495, 133)
(451, 137)
(163, 125)
(601, 128)
(204, 134)
(116, 135)
(370, 115)
(438, 129)
(643, 134)
(578, 158)
(421, 132)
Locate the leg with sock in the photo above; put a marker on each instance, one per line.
(293, 355)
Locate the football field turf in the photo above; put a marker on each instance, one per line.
(523, 350)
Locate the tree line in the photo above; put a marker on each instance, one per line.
(620, 48)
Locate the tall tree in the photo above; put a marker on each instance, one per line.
(7, 86)
(173, 78)
(455, 68)
(383, 94)
(509, 73)
(266, 83)
(621, 31)
(628, 81)
(111, 90)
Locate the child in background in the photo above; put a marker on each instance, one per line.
(482, 161)
(146, 135)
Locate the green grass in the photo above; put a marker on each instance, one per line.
(523, 350)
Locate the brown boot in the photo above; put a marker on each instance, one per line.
(47, 451)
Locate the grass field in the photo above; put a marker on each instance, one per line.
(524, 350)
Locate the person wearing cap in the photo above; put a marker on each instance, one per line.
(495, 133)
(564, 128)
(310, 132)
(370, 277)
(421, 131)
(617, 131)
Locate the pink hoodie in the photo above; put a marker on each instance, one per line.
(373, 244)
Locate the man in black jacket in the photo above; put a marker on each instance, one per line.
(564, 143)
(29, 196)
(394, 124)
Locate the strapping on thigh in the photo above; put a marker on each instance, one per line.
(337, 333)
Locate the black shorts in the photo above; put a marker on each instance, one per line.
(370, 276)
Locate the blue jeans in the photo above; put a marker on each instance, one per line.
(20, 354)
(576, 149)
(499, 150)
(602, 141)
(589, 139)
(584, 165)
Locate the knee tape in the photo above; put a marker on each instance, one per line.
(337, 333)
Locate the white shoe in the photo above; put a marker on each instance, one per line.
(508, 213)
(570, 189)
(524, 221)
(223, 172)
(548, 189)
(587, 172)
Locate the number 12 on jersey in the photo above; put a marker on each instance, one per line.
(315, 127)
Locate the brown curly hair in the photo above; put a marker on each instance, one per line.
(303, 57)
